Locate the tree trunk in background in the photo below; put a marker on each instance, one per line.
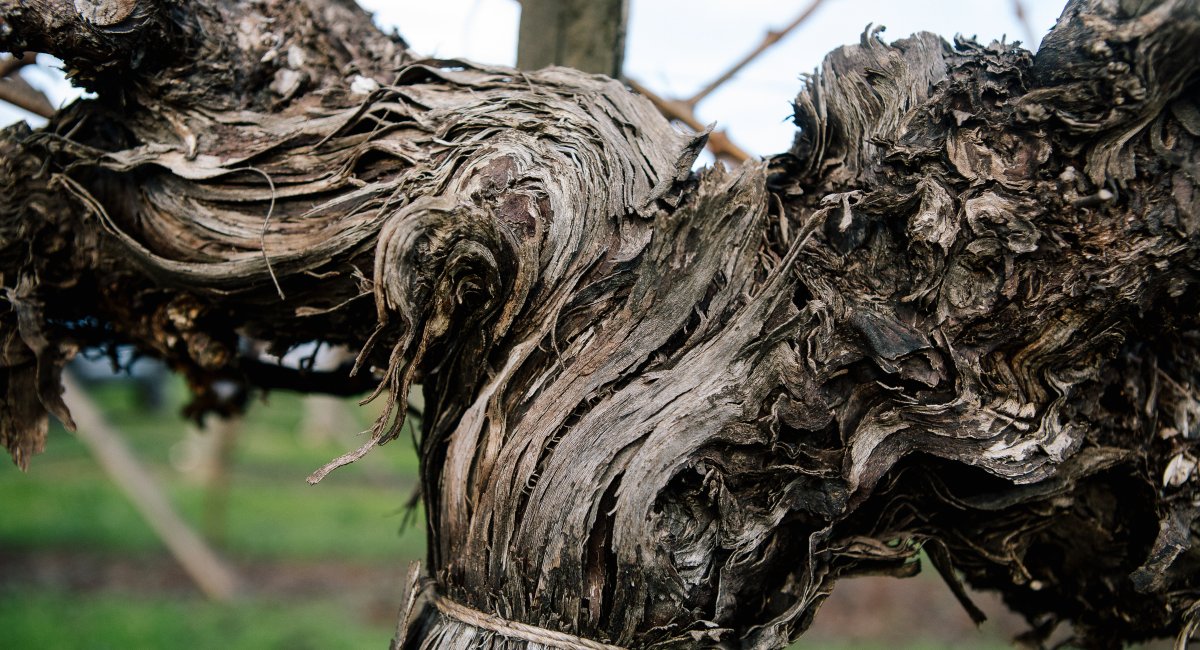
(588, 35)
(663, 408)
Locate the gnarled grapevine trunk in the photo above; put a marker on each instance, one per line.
(664, 408)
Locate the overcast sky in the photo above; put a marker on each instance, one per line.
(676, 46)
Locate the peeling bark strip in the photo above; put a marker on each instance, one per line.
(664, 409)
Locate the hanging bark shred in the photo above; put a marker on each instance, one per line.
(664, 409)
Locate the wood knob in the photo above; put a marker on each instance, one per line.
(105, 13)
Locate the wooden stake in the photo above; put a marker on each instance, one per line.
(207, 570)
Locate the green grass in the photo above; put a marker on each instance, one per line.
(74, 506)
(65, 500)
(66, 621)
(66, 504)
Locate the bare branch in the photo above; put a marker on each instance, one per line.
(772, 37)
(13, 63)
(19, 93)
(1026, 26)
(718, 141)
(683, 111)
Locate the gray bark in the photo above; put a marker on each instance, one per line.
(587, 35)
(664, 408)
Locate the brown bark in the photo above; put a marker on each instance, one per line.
(664, 409)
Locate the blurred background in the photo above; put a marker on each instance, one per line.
(241, 552)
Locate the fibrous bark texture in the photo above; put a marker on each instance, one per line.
(665, 408)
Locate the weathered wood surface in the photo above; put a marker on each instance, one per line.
(664, 408)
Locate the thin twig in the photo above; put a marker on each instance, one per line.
(17, 91)
(262, 236)
(718, 142)
(684, 110)
(772, 37)
(1026, 26)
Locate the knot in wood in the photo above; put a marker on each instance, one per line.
(105, 13)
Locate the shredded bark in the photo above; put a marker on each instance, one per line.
(663, 409)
